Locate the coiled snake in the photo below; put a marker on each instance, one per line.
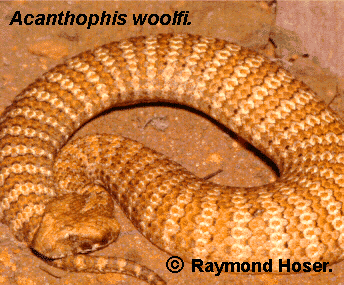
(56, 202)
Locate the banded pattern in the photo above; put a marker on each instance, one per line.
(298, 217)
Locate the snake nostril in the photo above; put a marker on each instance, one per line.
(86, 246)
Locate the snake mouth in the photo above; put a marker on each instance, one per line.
(41, 256)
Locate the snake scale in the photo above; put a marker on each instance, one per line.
(61, 203)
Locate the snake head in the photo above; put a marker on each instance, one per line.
(76, 223)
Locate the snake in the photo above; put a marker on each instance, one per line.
(57, 195)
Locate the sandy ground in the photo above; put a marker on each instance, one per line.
(189, 138)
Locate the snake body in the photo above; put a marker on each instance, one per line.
(298, 217)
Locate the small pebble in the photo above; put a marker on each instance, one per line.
(49, 48)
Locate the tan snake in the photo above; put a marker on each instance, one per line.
(64, 211)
